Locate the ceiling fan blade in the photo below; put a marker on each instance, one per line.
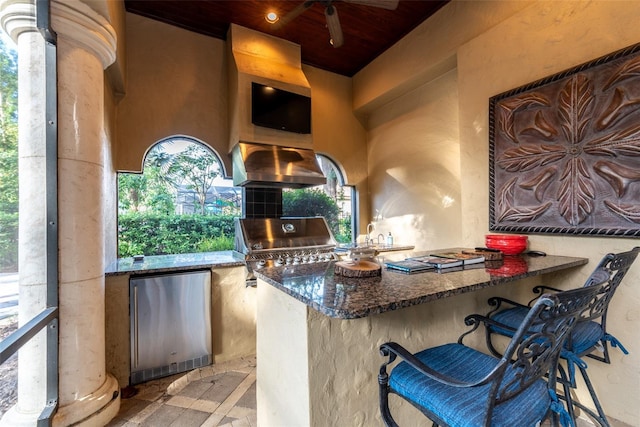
(294, 13)
(333, 24)
(383, 4)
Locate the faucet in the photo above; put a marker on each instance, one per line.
(379, 236)
(368, 239)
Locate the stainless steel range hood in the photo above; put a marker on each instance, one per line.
(260, 165)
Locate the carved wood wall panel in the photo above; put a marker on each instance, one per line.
(565, 151)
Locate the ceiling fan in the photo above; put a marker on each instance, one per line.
(331, 15)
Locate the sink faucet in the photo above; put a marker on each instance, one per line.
(368, 239)
(379, 236)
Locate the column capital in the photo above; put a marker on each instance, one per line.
(17, 17)
(80, 25)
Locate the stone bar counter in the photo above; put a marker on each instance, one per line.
(318, 333)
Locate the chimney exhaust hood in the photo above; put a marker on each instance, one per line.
(260, 165)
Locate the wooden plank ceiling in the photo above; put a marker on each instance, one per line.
(368, 31)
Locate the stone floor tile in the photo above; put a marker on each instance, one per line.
(163, 416)
(242, 422)
(248, 399)
(253, 419)
(237, 393)
(190, 418)
(151, 395)
(227, 421)
(146, 412)
(181, 401)
(205, 406)
(213, 420)
(197, 388)
(131, 407)
(117, 422)
(208, 398)
(239, 412)
(223, 386)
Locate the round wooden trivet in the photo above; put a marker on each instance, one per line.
(358, 269)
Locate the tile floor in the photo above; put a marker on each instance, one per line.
(221, 395)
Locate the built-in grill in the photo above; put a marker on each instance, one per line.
(273, 242)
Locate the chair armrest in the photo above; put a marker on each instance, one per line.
(392, 349)
(499, 301)
(476, 320)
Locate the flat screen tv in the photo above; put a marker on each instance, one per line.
(278, 109)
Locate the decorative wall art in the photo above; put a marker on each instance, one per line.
(565, 151)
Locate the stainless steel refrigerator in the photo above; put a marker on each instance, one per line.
(170, 324)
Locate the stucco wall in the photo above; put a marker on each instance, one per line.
(176, 85)
(414, 167)
(337, 133)
(519, 43)
(428, 51)
(541, 40)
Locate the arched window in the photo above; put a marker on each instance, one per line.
(333, 200)
(180, 203)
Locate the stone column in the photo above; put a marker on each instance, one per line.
(87, 394)
(86, 46)
(18, 20)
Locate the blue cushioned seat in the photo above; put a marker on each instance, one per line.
(585, 336)
(464, 407)
(455, 385)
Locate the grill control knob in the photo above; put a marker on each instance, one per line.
(278, 262)
(262, 263)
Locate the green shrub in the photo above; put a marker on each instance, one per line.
(343, 233)
(155, 234)
(219, 243)
(313, 202)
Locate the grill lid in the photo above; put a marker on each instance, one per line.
(274, 234)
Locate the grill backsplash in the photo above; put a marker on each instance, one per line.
(258, 202)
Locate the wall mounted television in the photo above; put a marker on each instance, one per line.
(278, 109)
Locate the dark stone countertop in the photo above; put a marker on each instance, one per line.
(349, 298)
(180, 262)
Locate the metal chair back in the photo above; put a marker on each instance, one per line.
(535, 347)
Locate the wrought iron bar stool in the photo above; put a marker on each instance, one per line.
(455, 385)
(588, 336)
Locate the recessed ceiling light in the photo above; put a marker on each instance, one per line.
(272, 17)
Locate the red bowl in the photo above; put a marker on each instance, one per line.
(509, 244)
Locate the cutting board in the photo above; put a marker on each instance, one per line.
(361, 268)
